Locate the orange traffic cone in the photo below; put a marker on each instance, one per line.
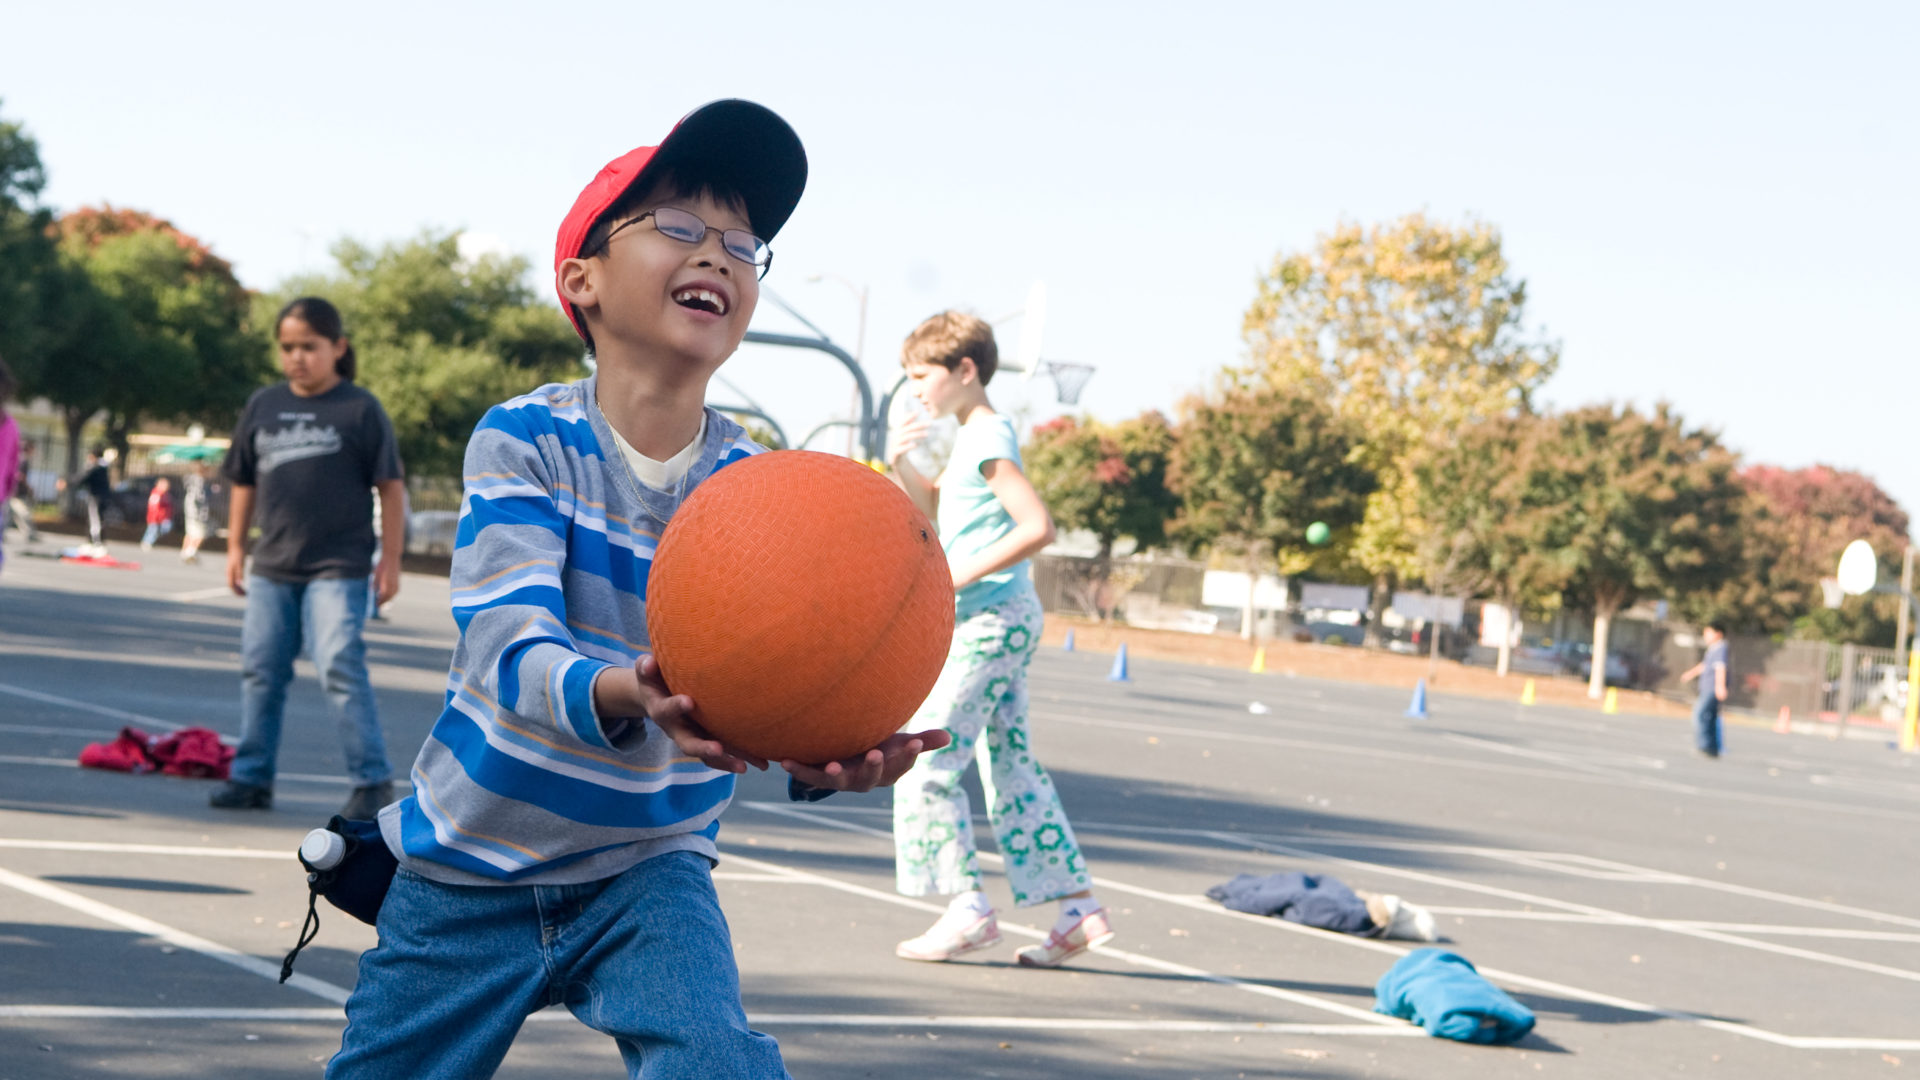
(1784, 725)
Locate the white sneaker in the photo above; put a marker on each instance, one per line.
(1065, 943)
(955, 934)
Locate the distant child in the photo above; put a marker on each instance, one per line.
(159, 513)
(95, 484)
(20, 498)
(559, 841)
(991, 522)
(9, 455)
(307, 456)
(1712, 673)
(197, 513)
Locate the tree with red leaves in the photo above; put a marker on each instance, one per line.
(153, 326)
(1109, 479)
(1796, 524)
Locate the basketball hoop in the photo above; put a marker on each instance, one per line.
(1068, 380)
(1831, 593)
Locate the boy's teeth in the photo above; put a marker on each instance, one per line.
(702, 296)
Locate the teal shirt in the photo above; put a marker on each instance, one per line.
(971, 518)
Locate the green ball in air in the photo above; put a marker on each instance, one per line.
(1318, 533)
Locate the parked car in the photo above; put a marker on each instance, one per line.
(1577, 658)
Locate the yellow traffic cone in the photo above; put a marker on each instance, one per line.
(1259, 660)
(1526, 693)
(1612, 704)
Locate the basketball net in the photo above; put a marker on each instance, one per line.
(1831, 593)
(1068, 380)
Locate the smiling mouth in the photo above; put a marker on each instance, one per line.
(701, 300)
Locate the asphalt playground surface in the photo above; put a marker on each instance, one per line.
(1663, 915)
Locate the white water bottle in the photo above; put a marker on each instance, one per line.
(323, 849)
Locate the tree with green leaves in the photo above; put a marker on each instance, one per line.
(1407, 329)
(1110, 480)
(440, 337)
(185, 352)
(141, 321)
(1644, 506)
(31, 279)
(1255, 464)
(1487, 528)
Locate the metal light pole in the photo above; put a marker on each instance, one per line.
(859, 344)
(1906, 586)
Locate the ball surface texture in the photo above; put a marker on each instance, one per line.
(1318, 533)
(804, 604)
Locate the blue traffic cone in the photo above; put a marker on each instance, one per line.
(1119, 672)
(1067, 646)
(1418, 710)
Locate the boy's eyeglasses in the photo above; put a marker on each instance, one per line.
(689, 229)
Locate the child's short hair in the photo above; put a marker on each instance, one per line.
(950, 337)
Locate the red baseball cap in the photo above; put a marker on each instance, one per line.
(735, 144)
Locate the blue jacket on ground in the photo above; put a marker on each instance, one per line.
(1311, 899)
(1442, 992)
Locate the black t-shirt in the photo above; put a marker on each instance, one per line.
(312, 462)
(96, 481)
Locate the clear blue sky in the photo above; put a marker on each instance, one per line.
(1711, 204)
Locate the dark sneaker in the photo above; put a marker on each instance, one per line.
(365, 802)
(235, 795)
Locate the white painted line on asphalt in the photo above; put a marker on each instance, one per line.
(1717, 886)
(1069, 1023)
(1551, 860)
(1698, 924)
(143, 849)
(85, 706)
(1375, 753)
(177, 938)
(48, 729)
(776, 879)
(1240, 838)
(1587, 909)
(141, 1012)
(830, 1020)
(299, 778)
(55, 762)
(1567, 762)
(1022, 930)
(1512, 978)
(202, 594)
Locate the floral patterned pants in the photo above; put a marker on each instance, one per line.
(981, 700)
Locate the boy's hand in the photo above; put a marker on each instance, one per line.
(674, 714)
(878, 767)
(903, 439)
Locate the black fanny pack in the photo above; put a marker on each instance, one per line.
(353, 873)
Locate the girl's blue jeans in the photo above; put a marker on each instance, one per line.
(644, 957)
(325, 616)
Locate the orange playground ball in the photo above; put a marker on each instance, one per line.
(804, 604)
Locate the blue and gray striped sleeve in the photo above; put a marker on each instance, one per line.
(508, 558)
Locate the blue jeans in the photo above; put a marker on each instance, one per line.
(327, 614)
(1706, 726)
(644, 957)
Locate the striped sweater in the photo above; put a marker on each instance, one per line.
(520, 781)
